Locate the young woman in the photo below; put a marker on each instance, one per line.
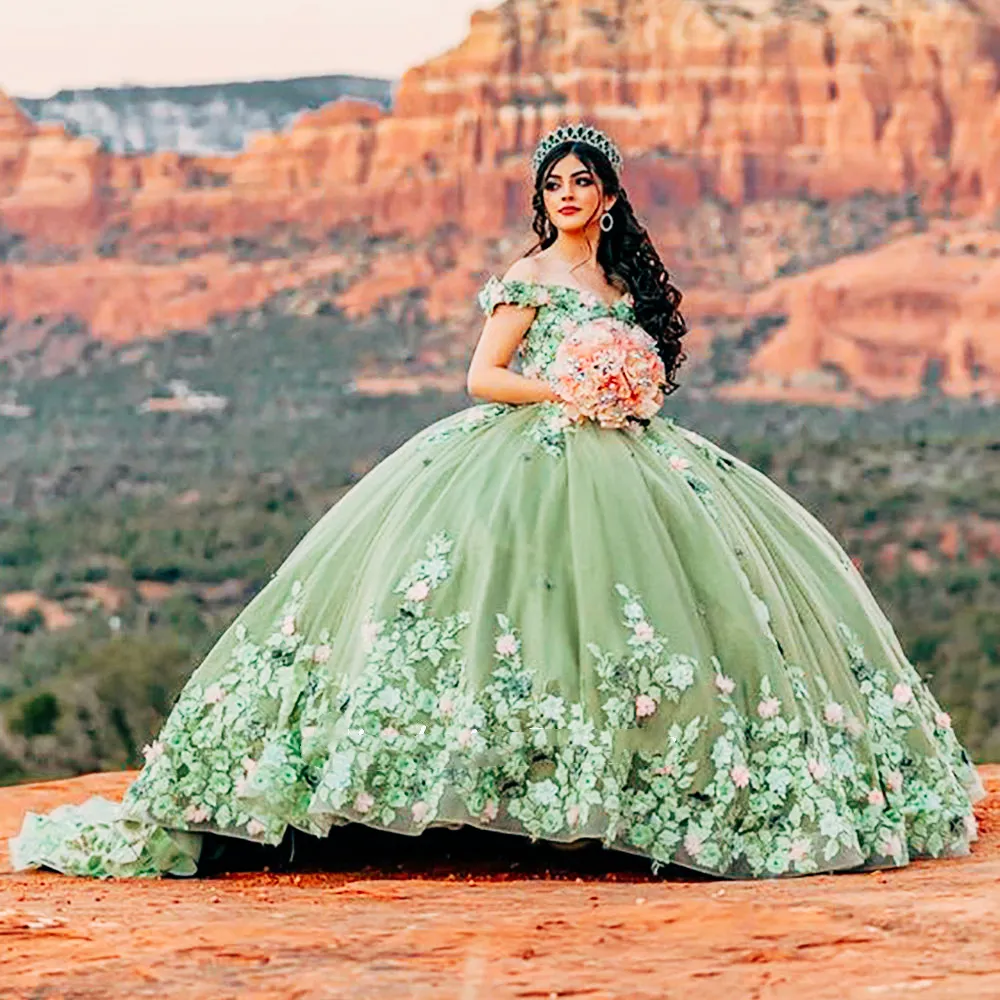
(529, 622)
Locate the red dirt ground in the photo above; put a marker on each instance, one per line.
(466, 931)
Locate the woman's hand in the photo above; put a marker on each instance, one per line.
(551, 395)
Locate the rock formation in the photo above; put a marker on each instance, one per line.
(743, 100)
(761, 99)
(921, 314)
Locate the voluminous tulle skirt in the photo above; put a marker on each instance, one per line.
(559, 631)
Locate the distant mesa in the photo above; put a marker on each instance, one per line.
(345, 111)
(201, 119)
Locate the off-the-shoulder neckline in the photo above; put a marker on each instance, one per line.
(625, 300)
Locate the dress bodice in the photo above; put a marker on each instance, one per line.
(559, 309)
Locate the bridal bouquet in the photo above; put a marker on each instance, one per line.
(610, 372)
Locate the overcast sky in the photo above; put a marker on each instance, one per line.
(49, 44)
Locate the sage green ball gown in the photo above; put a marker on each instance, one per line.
(561, 632)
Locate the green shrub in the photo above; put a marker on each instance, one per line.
(36, 715)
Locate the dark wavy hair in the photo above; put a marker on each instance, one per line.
(626, 254)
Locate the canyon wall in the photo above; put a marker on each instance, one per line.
(743, 102)
(739, 100)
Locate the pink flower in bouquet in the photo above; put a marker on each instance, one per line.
(607, 371)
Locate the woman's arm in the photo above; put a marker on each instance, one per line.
(489, 377)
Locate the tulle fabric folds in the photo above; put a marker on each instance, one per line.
(563, 632)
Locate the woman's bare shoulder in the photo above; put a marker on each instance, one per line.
(523, 269)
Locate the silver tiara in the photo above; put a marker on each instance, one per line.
(577, 133)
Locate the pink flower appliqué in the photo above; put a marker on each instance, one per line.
(465, 737)
(214, 694)
(643, 631)
(799, 850)
(644, 706)
(725, 684)
(490, 811)
(255, 828)
(693, 844)
(768, 708)
(507, 644)
(817, 769)
(876, 798)
(321, 653)
(942, 719)
(197, 813)
(902, 693)
(288, 625)
(363, 802)
(418, 591)
(894, 779)
(740, 775)
(833, 713)
(446, 705)
(892, 845)
(678, 463)
(420, 811)
(153, 751)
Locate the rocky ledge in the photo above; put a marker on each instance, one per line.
(542, 926)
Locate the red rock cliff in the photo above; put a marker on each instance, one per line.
(820, 99)
(744, 101)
